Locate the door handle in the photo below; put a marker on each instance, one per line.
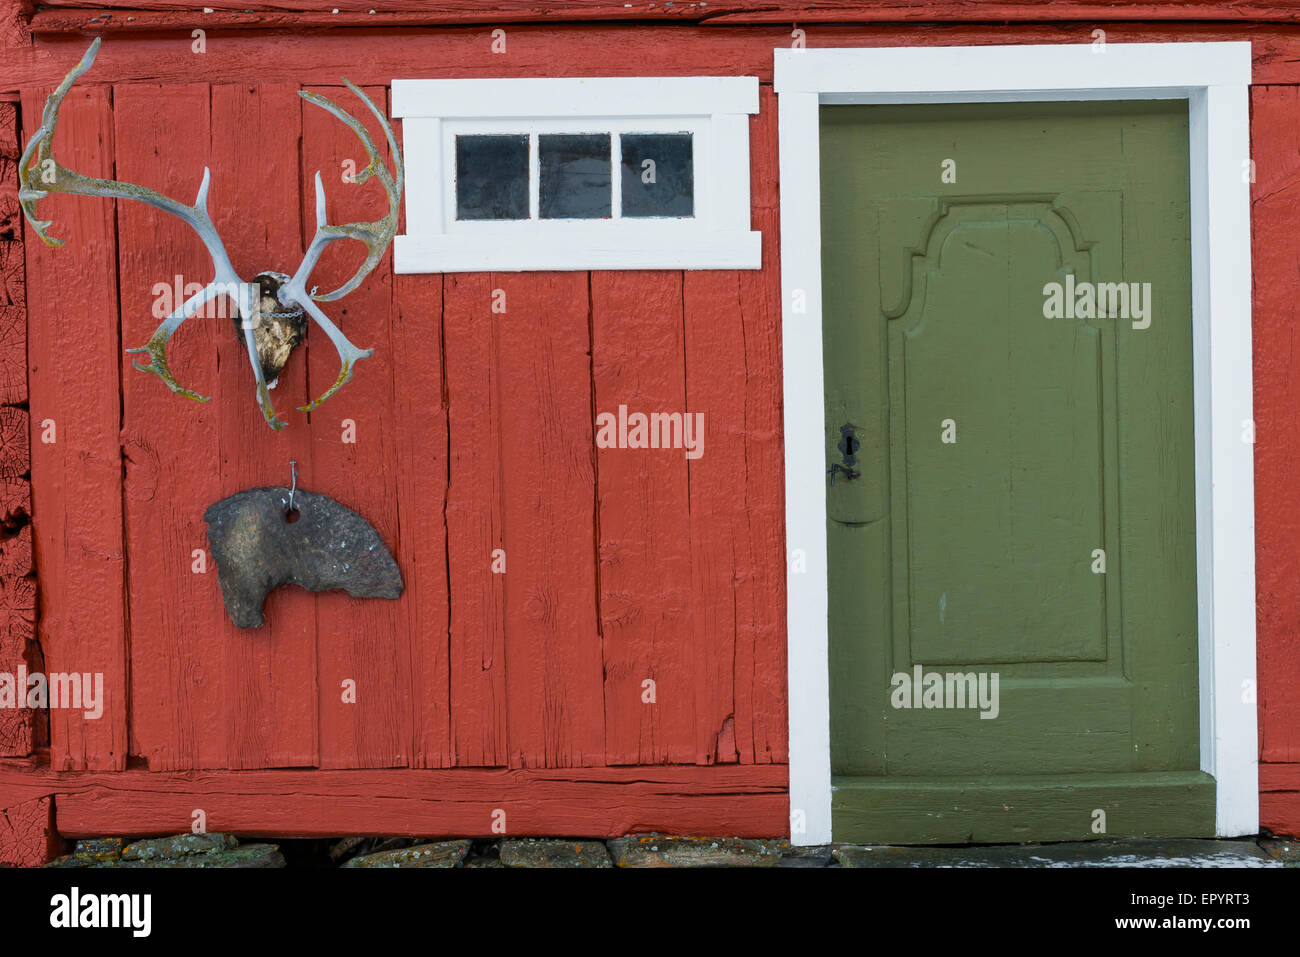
(849, 473)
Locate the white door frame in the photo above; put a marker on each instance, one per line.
(1214, 78)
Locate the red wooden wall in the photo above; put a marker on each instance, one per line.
(473, 432)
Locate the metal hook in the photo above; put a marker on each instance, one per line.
(293, 468)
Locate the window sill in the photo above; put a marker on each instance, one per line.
(495, 252)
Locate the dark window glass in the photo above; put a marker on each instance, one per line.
(575, 176)
(658, 174)
(491, 177)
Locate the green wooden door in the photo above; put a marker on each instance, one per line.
(1024, 508)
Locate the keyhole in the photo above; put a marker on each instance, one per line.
(849, 445)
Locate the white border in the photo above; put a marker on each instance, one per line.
(1214, 78)
(715, 109)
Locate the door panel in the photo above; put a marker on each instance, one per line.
(1024, 508)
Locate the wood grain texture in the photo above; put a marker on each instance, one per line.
(66, 15)
(1276, 259)
(475, 525)
(737, 492)
(271, 674)
(761, 725)
(595, 802)
(354, 454)
(1279, 798)
(73, 375)
(421, 437)
(13, 354)
(180, 688)
(27, 834)
(554, 686)
(643, 522)
(376, 56)
(1017, 809)
(18, 726)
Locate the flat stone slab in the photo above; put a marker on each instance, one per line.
(179, 846)
(439, 854)
(810, 855)
(243, 856)
(656, 850)
(98, 849)
(545, 852)
(223, 854)
(1284, 849)
(1127, 853)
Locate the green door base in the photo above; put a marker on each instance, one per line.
(1021, 808)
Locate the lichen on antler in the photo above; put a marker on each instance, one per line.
(374, 235)
(51, 177)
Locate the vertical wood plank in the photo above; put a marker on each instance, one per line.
(73, 357)
(761, 736)
(420, 409)
(554, 687)
(643, 522)
(179, 687)
(271, 704)
(737, 492)
(474, 522)
(363, 640)
(1277, 429)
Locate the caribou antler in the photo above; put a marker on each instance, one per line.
(56, 178)
(38, 162)
(376, 235)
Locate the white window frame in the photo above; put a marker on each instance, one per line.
(715, 110)
(1214, 78)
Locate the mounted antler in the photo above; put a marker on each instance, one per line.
(376, 236)
(268, 333)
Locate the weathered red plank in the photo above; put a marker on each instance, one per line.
(180, 688)
(365, 641)
(475, 533)
(1279, 798)
(643, 520)
(73, 374)
(376, 56)
(597, 802)
(421, 436)
(1277, 430)
(760, 631)
(554, 687)
(737, 496)
(270, 713)
(27, 835)
(151, 14)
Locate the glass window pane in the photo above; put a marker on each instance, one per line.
(492, 177)
(576, 178)
(658, 174)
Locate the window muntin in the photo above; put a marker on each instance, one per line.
(600, 181)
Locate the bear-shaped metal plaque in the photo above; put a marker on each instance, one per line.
(260, 542)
